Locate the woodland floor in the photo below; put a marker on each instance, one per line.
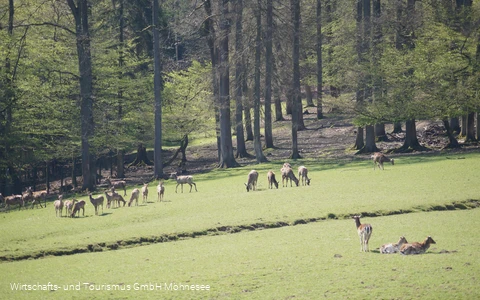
(330, 138)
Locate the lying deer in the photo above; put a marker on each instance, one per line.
(393, 248)
(416, 247)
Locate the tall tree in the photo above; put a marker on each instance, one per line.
(158, 86)
(319, 60)
(296, 96)
(257, 143)
(411, 140)
(227, 159)
(239, 73)
(80, 13)
(359, 93)
(268, 75)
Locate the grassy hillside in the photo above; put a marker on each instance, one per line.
(302, 262)
(222, 204)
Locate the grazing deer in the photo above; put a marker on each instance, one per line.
(135, 195)
(364, 232)
(76, 208)
(252, 180)
(379, 159)
(69, 206)
(272, 180)
(160, 191)
(416, 247)
(287, 173)
(393, 248)
(181, 180)
(303, 175)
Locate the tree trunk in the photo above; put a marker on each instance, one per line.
(120, 164)
(463, 131)
(455, 125)
(80, 14)
(227, 159)
(268, 76)
(257, 143)
(359, 143)
(141, 158)
(158, 87)
(397, 127)
(309, 96)
(239, 72)
(247, 111)
(276, 94)
(211, 38)
(478, 126)
(411, 142)
(296, 96)
(381, 135)
(318, 49)
(470, 137)
(452, 141)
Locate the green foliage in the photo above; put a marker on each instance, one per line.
(188, 106)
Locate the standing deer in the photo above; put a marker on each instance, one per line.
(364, 232)
(144, 193)
(98, 201)
(160, 191)
(181, 180)
(58, 204)
(379, 159)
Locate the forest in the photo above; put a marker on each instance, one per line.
(81, 81)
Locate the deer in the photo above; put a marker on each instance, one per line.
(144, 193)
(115, 197)
(272, 180)
(135, 195)
(96, 202)
(364, 232)
(69, 206)
(252, 180)
(416, 247)
(287, 173)
(379, 159)
(160, 191)
(58, 204)
(303, 175)
(35, 197)
(181, 180)
(12, 200)
(76, 208)
(393, 248)
(121, 184)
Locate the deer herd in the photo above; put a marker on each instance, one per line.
(72, 207)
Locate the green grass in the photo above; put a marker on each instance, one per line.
(337, 190)
(292, 261)
(303, 262)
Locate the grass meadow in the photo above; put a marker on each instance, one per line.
(244, 245)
